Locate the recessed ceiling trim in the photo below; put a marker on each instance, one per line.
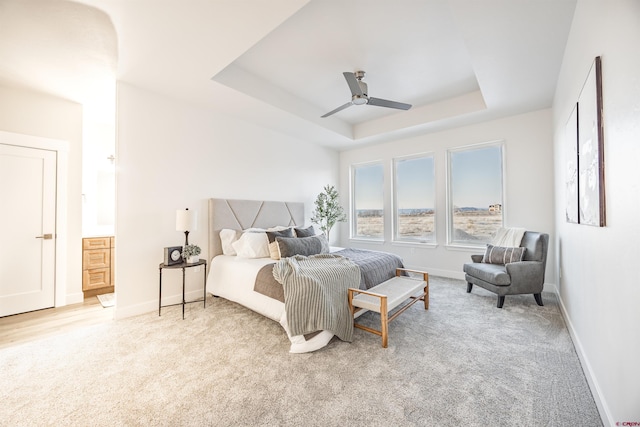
(469, 103)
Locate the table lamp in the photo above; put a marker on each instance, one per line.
(186, 221)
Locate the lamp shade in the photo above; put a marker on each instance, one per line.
(186, 220)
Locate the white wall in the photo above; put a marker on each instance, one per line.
(171, 155)
(600, 281)
(38, 114)
(98, 177)
(529, 185)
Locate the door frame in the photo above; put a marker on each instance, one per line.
(61, 148)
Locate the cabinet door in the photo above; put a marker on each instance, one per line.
(113, 263)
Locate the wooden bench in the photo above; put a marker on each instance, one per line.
(388, 295)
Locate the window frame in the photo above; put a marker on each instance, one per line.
(449, 208)
(352, 202)
(396, 239)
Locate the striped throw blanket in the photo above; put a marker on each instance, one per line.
(315, 293)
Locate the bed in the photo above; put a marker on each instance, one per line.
(245, 275)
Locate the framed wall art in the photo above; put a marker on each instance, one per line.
(591, 201)
(584, 170)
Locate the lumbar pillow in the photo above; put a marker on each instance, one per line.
(305, 232)
(502, 255)
(274, 250)
(227, 237)
(302, 246)
(252, 245)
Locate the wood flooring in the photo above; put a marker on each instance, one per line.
(34, 325)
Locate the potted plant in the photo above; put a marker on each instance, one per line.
(190, 253)
(328, 210)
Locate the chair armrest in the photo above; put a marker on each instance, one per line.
(477, 258)
(526, 273)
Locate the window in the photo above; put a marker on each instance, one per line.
(414, 199)
(475, 193)
(367, 208)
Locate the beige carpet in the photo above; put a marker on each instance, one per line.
(463, 362)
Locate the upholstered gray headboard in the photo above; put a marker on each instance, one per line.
(242, 214)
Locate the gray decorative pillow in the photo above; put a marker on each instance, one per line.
(274, 252)
(502, 255)
(302, 246)
(305, 232)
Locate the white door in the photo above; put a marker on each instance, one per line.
(27, 229)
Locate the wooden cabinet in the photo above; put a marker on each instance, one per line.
(112, 268)
(97, 264)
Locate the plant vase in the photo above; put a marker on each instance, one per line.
(192, 259)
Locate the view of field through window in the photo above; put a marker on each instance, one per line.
(475, 196)
(368, 215)
(469, 224)
(475, 180)
(414, 190)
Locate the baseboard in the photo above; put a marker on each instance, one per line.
(437, 272)
(603, 408)
(134, 310)
(74, 298)
(149, 306)
(548, 287)
(100, 291)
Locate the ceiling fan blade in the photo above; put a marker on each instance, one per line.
(353, 83)
(389, 104)
(340, 108)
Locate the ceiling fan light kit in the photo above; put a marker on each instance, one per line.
(360, 95)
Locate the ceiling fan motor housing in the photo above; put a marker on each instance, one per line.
(364, 98)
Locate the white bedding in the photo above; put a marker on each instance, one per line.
(233, 278)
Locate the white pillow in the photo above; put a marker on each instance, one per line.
(227, 237)
(252, 245)
(254, 230)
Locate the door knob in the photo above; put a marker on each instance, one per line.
(45, 237)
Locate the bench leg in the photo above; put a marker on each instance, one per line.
(384, 322)
(426, 296)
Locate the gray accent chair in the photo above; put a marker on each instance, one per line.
(523, 277)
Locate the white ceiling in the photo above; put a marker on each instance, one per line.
(280, 63)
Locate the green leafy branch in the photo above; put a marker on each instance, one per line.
(328, 210)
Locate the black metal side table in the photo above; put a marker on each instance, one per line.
(183, 266)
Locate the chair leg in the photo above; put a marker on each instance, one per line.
(538, 298)
(469, 286)
(500, 301)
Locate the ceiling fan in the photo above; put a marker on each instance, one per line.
(359, 95)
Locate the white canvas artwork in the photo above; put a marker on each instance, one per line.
(571, 171)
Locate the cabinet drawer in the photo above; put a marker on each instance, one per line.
(97, 258)
(96, 243)
(96, 278)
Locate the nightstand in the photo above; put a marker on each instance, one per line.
(183, 266)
